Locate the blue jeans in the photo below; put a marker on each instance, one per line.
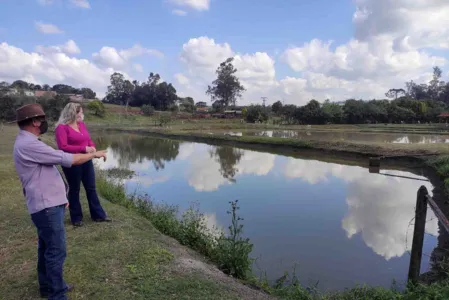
(84, 173)
(51, 251)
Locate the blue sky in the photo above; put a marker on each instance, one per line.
(371, 43)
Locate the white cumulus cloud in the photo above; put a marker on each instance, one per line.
(379, 211)
(111, 57)
(52, 65)
(390, 46)
(70, 47)
(203, 55)
(48, 28)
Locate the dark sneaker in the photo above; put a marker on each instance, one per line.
(103, 220)
(70, 288)
(78, 224)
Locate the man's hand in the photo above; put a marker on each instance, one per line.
(67, 205)
(90, 149)
(101, 154)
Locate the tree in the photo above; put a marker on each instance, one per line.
(256, 113)
(354, 111)
(160, 95)
(288, 113)
(312, 113)
(88, 93)
(399, 114)
(277, 108)
(416, 91)
(53, 105)
(97, 108)
(435, 85)
(116, 90)
(147, 110)
(4, 86)
(20, 84)
(64, 89)
(226, 88)
(332, 112)
(394, 93)
(187, 104)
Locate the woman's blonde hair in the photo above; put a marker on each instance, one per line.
(68, 114)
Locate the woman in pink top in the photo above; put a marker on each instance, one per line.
(72, 137)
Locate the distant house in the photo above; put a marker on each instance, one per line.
(16, 92)
(49, 94)
(201, 107)
(444, 117)
(76, 97)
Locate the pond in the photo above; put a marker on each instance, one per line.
(339, 224)
(366, 137)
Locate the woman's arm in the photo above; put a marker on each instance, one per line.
(86, 132)
(61, 140)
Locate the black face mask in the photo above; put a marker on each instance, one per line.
(43, 127)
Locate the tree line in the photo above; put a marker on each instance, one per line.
(415, 103)
(22, 86)
(14, 95)
(152, 94)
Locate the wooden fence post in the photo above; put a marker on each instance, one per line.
(418, 235)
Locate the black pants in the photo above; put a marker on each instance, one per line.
(75, 175)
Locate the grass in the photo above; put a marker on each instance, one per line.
(126, 259)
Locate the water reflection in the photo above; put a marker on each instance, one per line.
(396, 138)
(134, 150)
(335, 220)
(228, 158)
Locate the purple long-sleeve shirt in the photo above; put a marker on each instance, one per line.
(36, 165)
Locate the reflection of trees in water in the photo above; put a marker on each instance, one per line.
(439, 259)
(131, 149)
(378, 137)
(228, 158)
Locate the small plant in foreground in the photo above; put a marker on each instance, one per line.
(233, 250)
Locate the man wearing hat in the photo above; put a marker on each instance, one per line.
(45, 195)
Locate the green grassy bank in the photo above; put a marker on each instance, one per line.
(126, 259)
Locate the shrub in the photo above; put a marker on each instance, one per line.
(256, 113)
(97, 108)
(147, 110)
(164, 119)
